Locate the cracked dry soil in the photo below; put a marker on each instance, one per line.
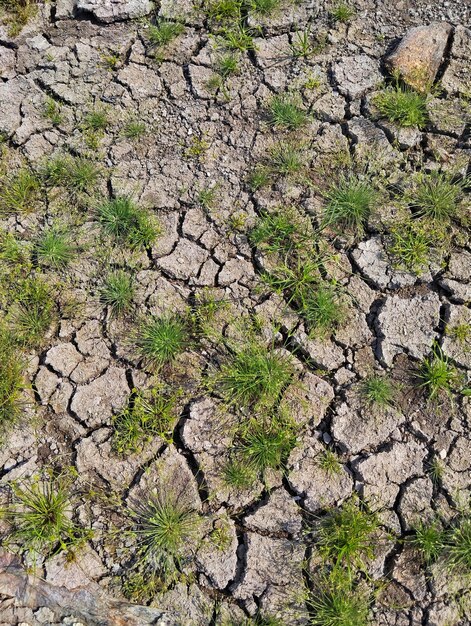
(255, 553)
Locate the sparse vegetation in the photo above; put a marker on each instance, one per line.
(127, 223)
(288, 158)
(19, 192)
(118, 291)
(161, 339)
(402, 106)
(342, 12)
(329, 462)
(437, 196)
(164, 32)
(349, 203)
(411, 245)
(54, 248)
(436, 375)
(76, 174)
(284, 111)
(335, 601)
(96, 120)
(378, 390)
(429, 540)
(239, 474)
(12, 383)
(33, 312)
(134, 129)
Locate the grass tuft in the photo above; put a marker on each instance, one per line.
(329, 462)
(77, 175)
(436, 375)
(265, 445)
(12, 383)
(335, 601)
(33, 312)
(161, 339)
(429, 540)
(402, 106)
(118, 292)
(284, 112)
(288, 158)
(54, 248)
(123, 220)
(238, 473)
(377, 390)
(342, 12)
(411, 244)
(437, 196)
(19, 193)
(349, 203)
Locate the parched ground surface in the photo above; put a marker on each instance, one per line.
(256, 550)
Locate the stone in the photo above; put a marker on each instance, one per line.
(415, 503)
(307, 399)
(419, 55)
(371, 143)
(85, 567)
(63, 358)
(407, 325)
(96, 402)
(330, 107)
(280, 514)
(456, 78)
(45, 383)
(374, 263)
(382, 474)
(458, 348)
(108, 11)
(217, 554)
(143, 81)
(355, 75)
(457, 278)
(324, 353)
(185, 261)
(316, 486)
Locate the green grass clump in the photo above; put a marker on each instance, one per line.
(460, 333)
(227, 64)
(279, 232)
(12, 383)
(259, 177)
(411, 245)
(254, 375)
(164, 32)
(161, 339)
(33, 312)
(349, 203)
(54, 248)
(301, 44)
(342, 12)
(267, 444)
(284, 112)
(429, 540)
(239, 474)
(77, 175)
(238, 38)
(264, 7)
(127, 223)
(288, 158)
(402, 106)
(377, 390)
(134, 129)
(436, 375)
(18, 14)
(335, 601)
(322, 308)
(165, 529)
(117, 293)
(329, 462)
(52, 111)
(346, 535)
(437, 196)
(458, 546)
(19, 193)
(147, 415)
(224, 10)
(40, 518)
(96, 120)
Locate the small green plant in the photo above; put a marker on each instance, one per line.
(227, 64)
(162, 33)
(429, 540)
(329, 462)
(165, 529)
(52, 111)
(301, 44)
(267, 445)
(96, 120)
(435, 470)
(288, 158)
(321, 307)
(207, 197)
(436, 374)
(54, 248)
(12, 383)
(147, 415)
(134, 129)
(77, 175)
(224, 10)
(40, 517)
(279, 232)
(161, 339)
(118, 291)
(335, 601)
(377, 390)
(33, 312)
(402, 106)
(264, 7)
(460, 333)
(437, 196)
(346, 535)
(18, 14)
(411, 244)
(238, 473)
(259, 177)
(123, 220)
(458, 545)
(349, 203)
(284, 111)
(197, 148)
(238, 38)
(254, 375)
(19, 193)
(342, 12)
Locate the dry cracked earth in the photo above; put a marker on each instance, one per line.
(195, 148)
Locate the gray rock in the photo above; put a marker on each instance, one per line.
(383, 473)
(375, 264)
(217, 554)
(407, 325)
(185, 261)
(419, 54)
(318, 488)
(415, 503)
(45, 383)
(457, 278)
(371, 143)
(357, 426)
(279, 515)
(330, 107)
(143, 81)
(356, 74)
(307, 400)
(409, 573)
(75, 573)
(114, 10)
(324, 352)
(458, 349)
(456, 79)
(96, 402)
(63, 358)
